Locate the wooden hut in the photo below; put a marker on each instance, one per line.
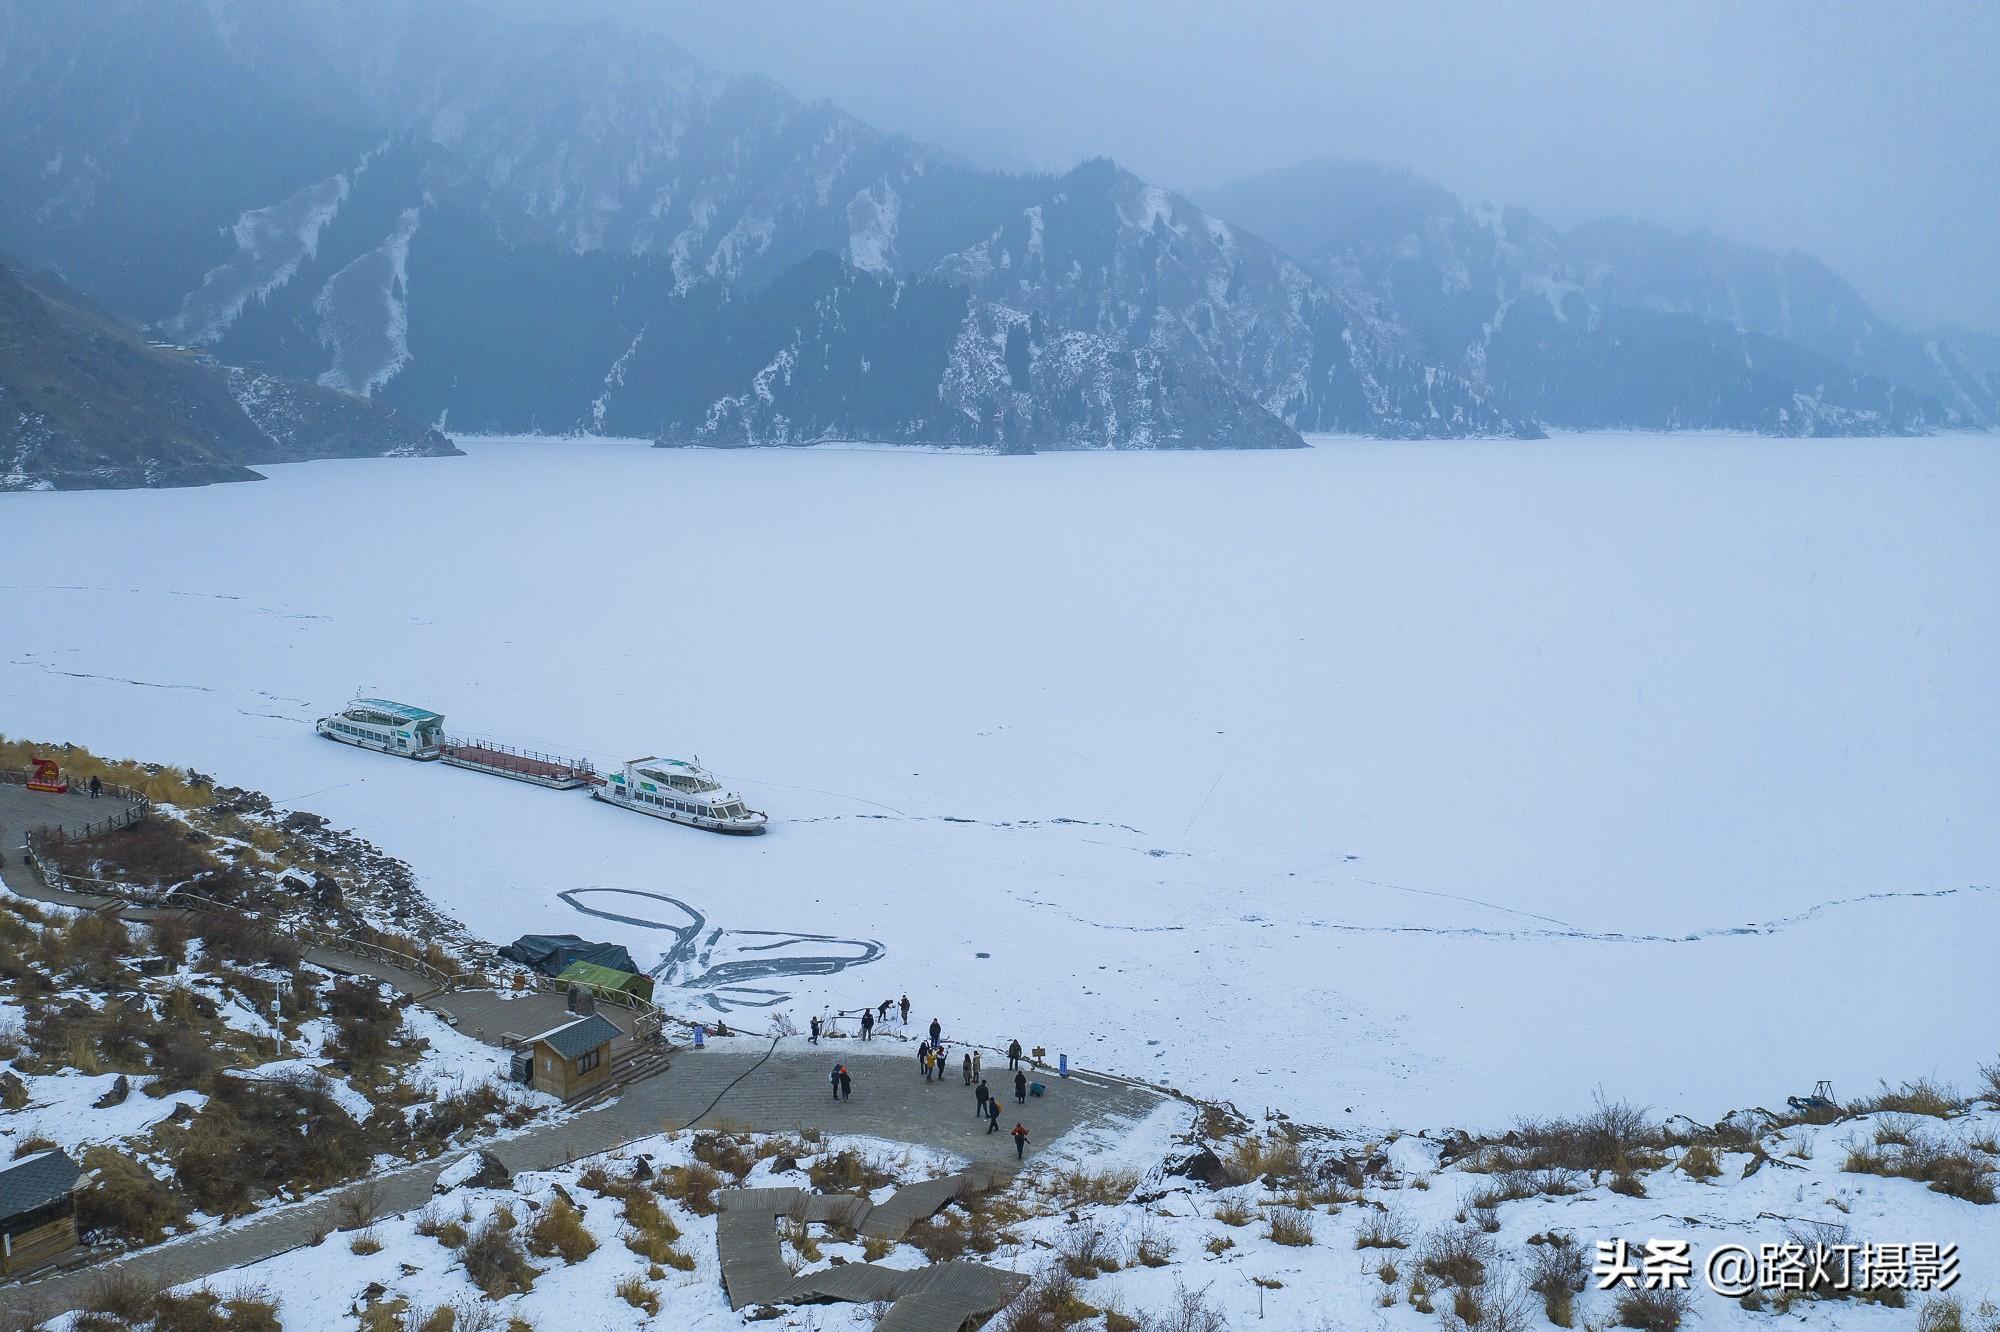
(37, 1209)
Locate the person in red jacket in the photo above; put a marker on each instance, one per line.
(1020, 1142)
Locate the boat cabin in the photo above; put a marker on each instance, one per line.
(393, 728)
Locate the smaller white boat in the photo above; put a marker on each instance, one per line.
(680, 792)
(391, 727)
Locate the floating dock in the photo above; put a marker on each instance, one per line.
(561, 774)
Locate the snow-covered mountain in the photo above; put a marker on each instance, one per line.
(1107, 252)
(1614, 323)
(546, 227)
(87, 403)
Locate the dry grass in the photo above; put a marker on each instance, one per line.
(1922, 1097)
(494, 1261)
(559, 1232)
(162, 785)
(1269, 1157)
(1953, 1168)
(365, 1242)
(1455, 1257)
(1385, 1229)
(1289, 1226)
(1654, 1310)
(1233, 1212)
(635, 1292)
(1049, 1304)
(1698, 1163)
(1076, 1187)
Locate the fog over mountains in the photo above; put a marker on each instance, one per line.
(497, 226)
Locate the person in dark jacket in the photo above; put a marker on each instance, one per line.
(965, 1068)
(1020, 1088)
(906, 1010)
(846, 1083)
(979, 1098)
(937, 1030)
(867, 1025)
(1020, 1142)
(834, 1078)
(96, 787)
(1013, 1054)
(993, 1114)
(815, 1029)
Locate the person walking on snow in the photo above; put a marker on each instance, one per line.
(814, 1038)
(937, 1030)
(1013, 1054)
(1020, 1088)
(980, 1098)
(867, 1025)
(846, 1083)
(906, 1010)
(992, 1114)
(1020, 1142)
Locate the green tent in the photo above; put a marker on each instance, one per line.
(604, 978)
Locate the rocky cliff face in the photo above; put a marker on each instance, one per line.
(1107, 253)
(87, 403)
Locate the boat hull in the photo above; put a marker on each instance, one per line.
(729, 827)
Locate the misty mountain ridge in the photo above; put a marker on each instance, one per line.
(1496, 293)
(581, 229)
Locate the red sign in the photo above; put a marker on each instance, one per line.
(48, 777)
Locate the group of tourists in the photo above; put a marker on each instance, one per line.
(870, 1019)
(934, 1058)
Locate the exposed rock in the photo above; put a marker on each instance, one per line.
(116, 1095)
(1204, 1167)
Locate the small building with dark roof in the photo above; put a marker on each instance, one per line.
(37, 1209)
(573, 1058)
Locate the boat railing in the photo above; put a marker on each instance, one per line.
(581, 767)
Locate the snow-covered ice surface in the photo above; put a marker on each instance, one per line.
(1380, 782)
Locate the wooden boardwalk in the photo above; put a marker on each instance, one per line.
(938, 1298)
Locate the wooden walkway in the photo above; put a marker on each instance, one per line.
(938, 1298)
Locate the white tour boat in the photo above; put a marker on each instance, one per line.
(393, 728)
(679, 791)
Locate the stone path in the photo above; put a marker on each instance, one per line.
(938, 1298)
(744, 1084)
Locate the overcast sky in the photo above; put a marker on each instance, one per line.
(1867, 134)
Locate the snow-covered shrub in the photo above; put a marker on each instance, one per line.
(1385, 1229)
(1290, 1226)
(494, 1261)
(559, 1232)
(1661, 1310)
(1456, 1257)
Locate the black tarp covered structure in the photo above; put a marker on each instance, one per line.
(551, 954)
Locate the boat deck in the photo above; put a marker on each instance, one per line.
(505, 761)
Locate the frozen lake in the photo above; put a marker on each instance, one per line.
(1413, 783)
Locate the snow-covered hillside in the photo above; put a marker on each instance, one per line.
(1383, 786)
